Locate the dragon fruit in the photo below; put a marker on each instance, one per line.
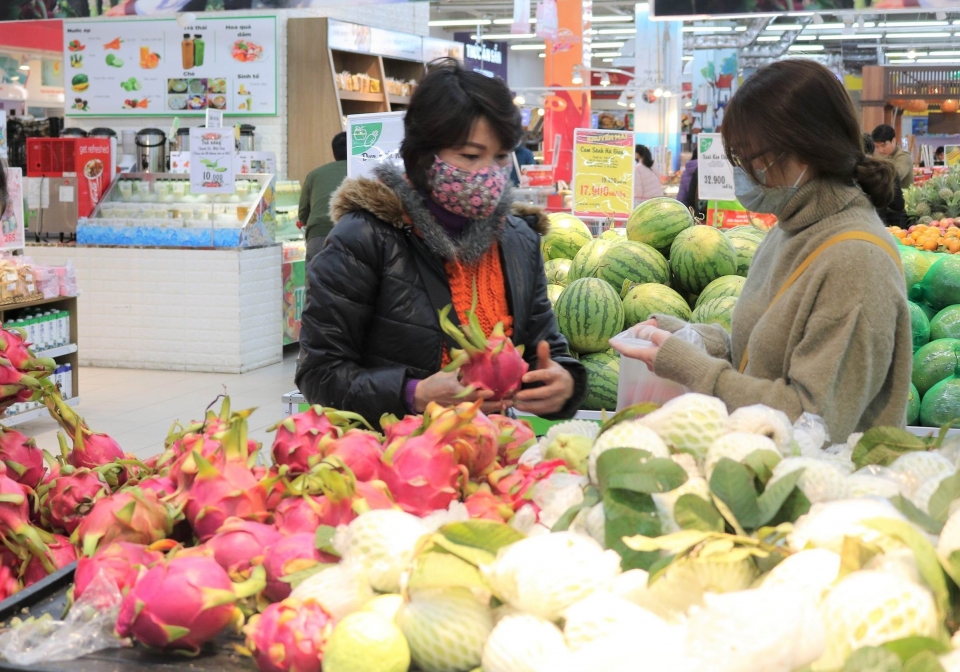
(162, 486)
(15, 349)
(493, 364)
(473, 436)
(513, 484)
(90, 449)
(240, 544)
(299, 514)
(400, 429)
(422, 472)
(516, 436)
(344, 498)
(289, 635)
(15, 524)
(288, 556)
(297, 444)
(217, 495)
(60, 553)
(121, 561)
(65, 502)
(9, 585)
(182, 603)
(131, 515)
(359, 450)
(485, 505)
(24, 460)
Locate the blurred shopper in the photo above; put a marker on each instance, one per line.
(893, 214)
(822, 325)
(689, 193)
(409, 243)
(885, 139)
(318, 187)
(524, 158)
(646, 183)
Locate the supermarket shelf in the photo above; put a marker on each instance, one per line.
(68, 349)
(20, 418)
(363, 97)
(399, 100)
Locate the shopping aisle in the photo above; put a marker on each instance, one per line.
(137, 407)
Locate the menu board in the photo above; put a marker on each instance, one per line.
(153, 67)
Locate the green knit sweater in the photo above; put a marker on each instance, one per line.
(837, 344)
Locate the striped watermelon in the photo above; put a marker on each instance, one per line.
(603, 375)
(566, 236)
(553, 293)
(589, 312)
(633, 262)
(746, 240)
(699, 255)
(716, 311)
(728, 285)
(587, 262)
(614, 234)
(658, 221)
(557, 271)
(642, 301)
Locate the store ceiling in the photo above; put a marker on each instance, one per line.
(856, 40)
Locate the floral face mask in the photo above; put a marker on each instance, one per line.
(471, 194)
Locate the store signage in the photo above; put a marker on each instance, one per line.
(11, 221)
(951, 155)
(714, 172)
(373, 139)
(488, 58)
(367, 40)
(212, 161)
(153, 67)
(602, 174)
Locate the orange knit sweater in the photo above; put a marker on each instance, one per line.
(492, 306)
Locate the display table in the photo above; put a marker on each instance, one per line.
(176, 309)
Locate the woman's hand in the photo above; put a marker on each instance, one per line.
(443, 388)
(557, 385)
(646, 331)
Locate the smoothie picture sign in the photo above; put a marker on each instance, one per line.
(152, 67)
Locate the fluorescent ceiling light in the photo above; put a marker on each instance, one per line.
(608, 54)
(687, 58)
(528, 47)
(508, 22)
(708, 29)
(768, 38)
(24, 67)
(825, 26)
(542, 55)
(612, 19)
(506, 36)
(807, 47)
(607, 45)
(619, 31)
(910, 54)
(806, 38)
(442, 23)
(941, 53)
(912, 24)
(938, 60)
(901, 61)
(910, 36)
(740, 29)
(607, 60)
(783, 27)
(872, 36)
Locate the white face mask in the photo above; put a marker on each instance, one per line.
(757, 197)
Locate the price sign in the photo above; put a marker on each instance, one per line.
(715, 174)
(211, 161)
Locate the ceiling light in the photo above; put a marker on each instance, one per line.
(942, 53)
(577, 77)
(911, 54)
(24, 67)
(506, 36)
(444, 23)
(872, 36)
(612, 18)
(708, 29)
(528, 47)
(619, 31)
(688, 104)
(938, 60)
(519, 100)
(508, 22)
(606, 54)
(15, 78)
(901, 61)
(820, 25)
(806, 38)
(768, 38)
(622, 100)
(607, 45)
(668, 94)
(910, 36)
(541, 111)
(632, 105)
(687, 58)
(541, 55)
(912, 24)
(783, 27)
(658, 92)
(605, 79)
(606, 60)
(741, 29)
(807, 47)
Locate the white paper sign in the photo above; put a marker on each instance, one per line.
(373, 139)
(212, 161)
(714, 172)
(179, 162)
(214, 118)
(66, 194)
(11, 221)
(38, 192)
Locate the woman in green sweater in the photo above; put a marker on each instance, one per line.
(822, 325)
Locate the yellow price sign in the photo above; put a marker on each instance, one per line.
(603, 173)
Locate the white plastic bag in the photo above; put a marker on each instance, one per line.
(639, 384)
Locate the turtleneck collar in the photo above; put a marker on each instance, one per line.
(451, 222)
(818, 199)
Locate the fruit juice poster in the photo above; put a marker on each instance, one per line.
(602, 174)
(11, 221)
(157, 67)
(951, 155)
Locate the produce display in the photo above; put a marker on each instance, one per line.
(665, 264)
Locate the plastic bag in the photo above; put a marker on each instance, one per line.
(88, 627)
(810, 433)
(639, 384)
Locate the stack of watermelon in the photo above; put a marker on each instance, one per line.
(664, 264)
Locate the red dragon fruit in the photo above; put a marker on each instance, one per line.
(65, 502)
(217, 495)
(516, 436)
(297, 444)
(90, 449)
(513, 483)
(289, 636)
(15, 525)
(131, 515)
(493, 364)
(162, 486)
(299, 514)
(60, 551)
(240, 544)
(24, 460)
(276, 489)
(121, 561)
(401, 429)
(485, 505)
(290, 555)
(9, 585)
(15, 349)
(361, 451)
(182, 603)
(472, 435)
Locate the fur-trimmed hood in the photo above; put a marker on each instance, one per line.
(391, 199)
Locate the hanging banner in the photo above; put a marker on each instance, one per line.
(373, 139)
(714, 172)
(603, 174)
(212, 161)
(11, 223)
(714, 83)
(658, 65)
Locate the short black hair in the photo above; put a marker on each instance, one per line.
(868, 145)
(443, 110)
(646, 158)
(883, 133)
(339, 145)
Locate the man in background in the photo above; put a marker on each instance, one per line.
(885, 140)
(524, 158)
(318, 187)
(894, 214)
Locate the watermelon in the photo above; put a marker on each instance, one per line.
(642, 301)
(913, 406)
(728, 285)
(657, 222)
(603, 374)
(628, 261)
(933, 362)
(589, 312)
(941, 284)
(553, 293)
(946, 323)
(557, 271)
(699, 255)
(745, 232)
(928, 310)
(915, 265)
(941, 404)
(566, 236)
(745, 243)
(614, 234)
(587, 262)
(716, 311)
(920, 325)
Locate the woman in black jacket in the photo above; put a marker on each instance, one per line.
(409, 243)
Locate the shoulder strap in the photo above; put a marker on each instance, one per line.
(437, 289)
(839, 238)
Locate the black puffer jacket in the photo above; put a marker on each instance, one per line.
(369, 325)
